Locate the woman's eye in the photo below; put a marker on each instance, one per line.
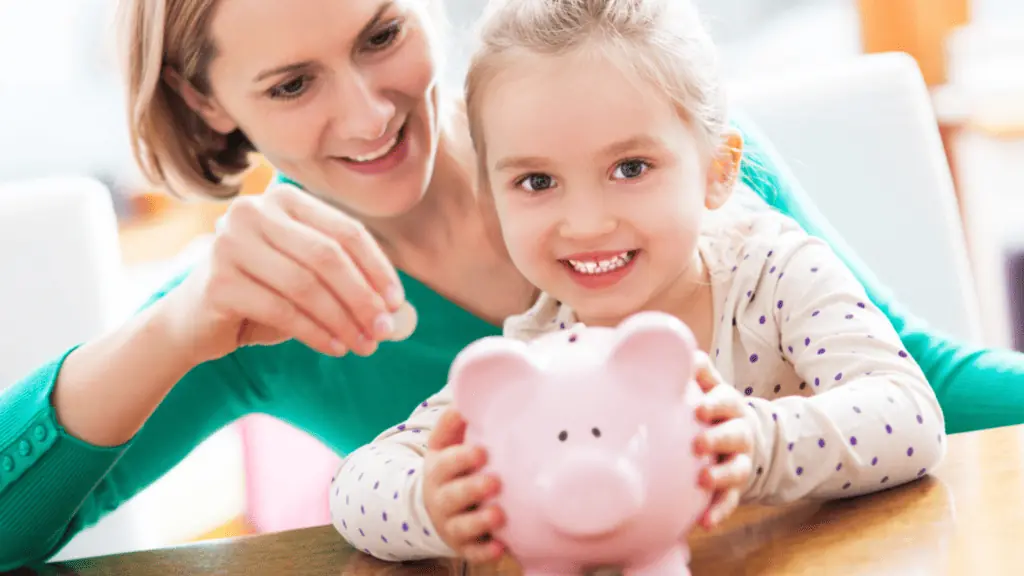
(290, 89)
(630, 169)
(385, 37)
(536, 182)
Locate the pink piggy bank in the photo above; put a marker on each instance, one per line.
(591, 433)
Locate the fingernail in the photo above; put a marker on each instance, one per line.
(384, 325)
(394, 296)
(366, 345)
(338, 348)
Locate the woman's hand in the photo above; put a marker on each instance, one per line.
(729, 440)
(454, 492)
(287, 265)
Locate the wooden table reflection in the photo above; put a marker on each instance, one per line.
(967, 519)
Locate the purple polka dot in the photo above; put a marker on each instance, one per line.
(860, 305)
(772, 270)
(746, 256)
(874, 461)
(361, 533)
(807, 341)
(778, 388)
(853, 440)
(839, 377)
(779, 304)
(781, 274)
(856, 409)
(839, 467)
(734, 268)
(903, 354)
(749, 293)
(426, 532)
(716, 352)
(849, 316)
(888, 429)
(344, 524)
(815, 269)
(790, 348)
(376, 484)
(405, 526)
(775, 417)
(885, 479)
(762, 319)
(770, 252)
(401, 427)
(411, 471)
(910, 451)
(365, 550)
(572, 338)
(396, 495)
(846, 486)
(921, 472)
(384, 516)
(815, 313)
(561, 325)
(920, 420)
(821, 442)
(385, 540)
(821, 351)
(790, 447)
(817, 382)
(748, 391)
(753, 358)
(799, 470)
(362, 509)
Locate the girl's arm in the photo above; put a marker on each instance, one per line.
(376, 497)
(977, 388)
(873, 421)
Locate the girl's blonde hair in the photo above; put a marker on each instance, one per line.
(663, 42)
(172, 144)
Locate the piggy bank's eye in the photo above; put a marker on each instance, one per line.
(596, 432)
(563, 436)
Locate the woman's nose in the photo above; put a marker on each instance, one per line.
(363, 112)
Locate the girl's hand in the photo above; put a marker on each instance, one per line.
(454, 492)
(729, 439)
(286, 265)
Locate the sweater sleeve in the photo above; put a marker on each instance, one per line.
(53, 485)
(376, 498)
(978, 388)
(872, 422)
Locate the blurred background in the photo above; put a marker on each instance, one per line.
(62, 127)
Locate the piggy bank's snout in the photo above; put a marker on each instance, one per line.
(590, 494)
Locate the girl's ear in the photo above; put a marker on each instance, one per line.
(725, 169)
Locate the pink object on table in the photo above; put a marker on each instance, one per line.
(288, 474)
(591, 434)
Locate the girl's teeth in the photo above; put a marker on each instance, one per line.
(376, 153)
(601, 266)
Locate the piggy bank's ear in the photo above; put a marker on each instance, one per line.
(655, 350)
(491, 377)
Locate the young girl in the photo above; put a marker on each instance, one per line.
(602, 142)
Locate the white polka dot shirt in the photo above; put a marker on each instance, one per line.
(837, 405)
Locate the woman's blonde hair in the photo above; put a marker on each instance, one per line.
(172, 144)
(663, 42)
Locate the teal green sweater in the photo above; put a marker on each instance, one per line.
(53, 485)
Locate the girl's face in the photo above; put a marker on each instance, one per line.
(340, 96)
(598, 184)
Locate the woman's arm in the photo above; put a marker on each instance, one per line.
(873, 421)
(66, 461)
(977, 388)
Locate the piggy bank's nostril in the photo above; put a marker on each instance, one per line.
(596, 432)
(563, 436)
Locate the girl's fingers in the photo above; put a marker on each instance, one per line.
(729, 437)
(472, 526)
(721, 403)
(461, 493)
(482, 552)
(724, 504)
(733, 472)
(449, 431)
(456, 461)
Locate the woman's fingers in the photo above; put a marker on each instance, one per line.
(353, 237)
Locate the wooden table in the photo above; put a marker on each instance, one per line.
(967, 519)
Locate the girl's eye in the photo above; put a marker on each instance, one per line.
(536, 182)
(290, 89)
(629, 169)
(385, 37)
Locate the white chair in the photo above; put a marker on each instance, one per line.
(862, 139)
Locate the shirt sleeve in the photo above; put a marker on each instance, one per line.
(376, 497)
(872, 422)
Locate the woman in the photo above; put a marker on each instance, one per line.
(290, 313)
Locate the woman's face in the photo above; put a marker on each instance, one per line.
(338, 94)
